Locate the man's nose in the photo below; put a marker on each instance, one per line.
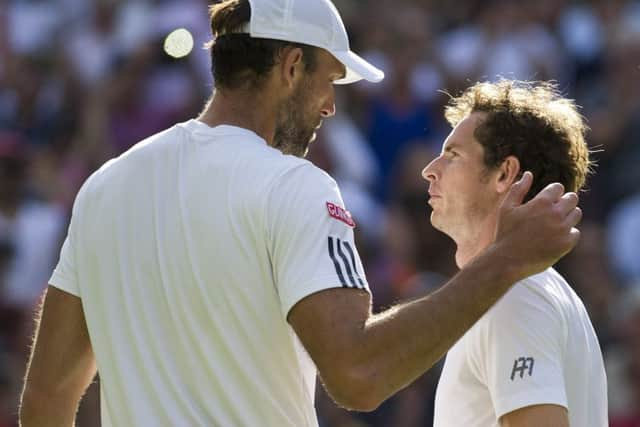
(329, 110)
(429, 172)
(329, 107)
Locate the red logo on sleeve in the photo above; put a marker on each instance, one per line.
(340, 214)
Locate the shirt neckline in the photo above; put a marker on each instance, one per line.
(199, 127)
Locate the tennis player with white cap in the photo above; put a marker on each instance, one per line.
(314, 23)
(210, 272)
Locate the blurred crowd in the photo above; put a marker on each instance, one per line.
(82, 81)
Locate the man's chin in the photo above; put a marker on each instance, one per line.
(435, 221)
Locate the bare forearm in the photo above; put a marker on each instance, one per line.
(53, 406)
(40, 410)
(399, 345)
(61, 365)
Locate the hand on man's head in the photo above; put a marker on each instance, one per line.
(535, 235)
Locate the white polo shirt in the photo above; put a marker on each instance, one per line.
(188, 251)
(535, 346)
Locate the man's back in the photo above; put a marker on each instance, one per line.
(535, 346)
(174, 267)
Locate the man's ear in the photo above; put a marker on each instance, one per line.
(507, 174)
(291, 66)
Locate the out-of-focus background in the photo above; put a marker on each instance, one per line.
(83, 80)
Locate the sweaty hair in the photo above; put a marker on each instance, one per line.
(534, 123)
(238, 60)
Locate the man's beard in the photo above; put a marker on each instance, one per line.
(294, 130)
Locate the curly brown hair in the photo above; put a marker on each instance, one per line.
(239, 60)
(534, 123)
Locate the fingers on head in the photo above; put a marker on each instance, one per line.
(553, 192)
(526, 181)
(567, 206)
(569, 231)
(573, 218)
(570, 200)
(519, 190)
(574, 237)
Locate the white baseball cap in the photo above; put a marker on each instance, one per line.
(311, 22)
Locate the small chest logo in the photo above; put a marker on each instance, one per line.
(522, 366)
(340, 214)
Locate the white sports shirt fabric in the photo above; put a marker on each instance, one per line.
(535, 346)
(188, 251)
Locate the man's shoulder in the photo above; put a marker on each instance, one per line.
(549, 286)
(533, 309)
(294, 173)
(309, 172)
(143, 147)
(546, 293)
(130, 160)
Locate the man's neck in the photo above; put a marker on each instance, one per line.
(253, 111)
(475, 241)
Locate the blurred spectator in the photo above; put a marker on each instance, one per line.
(612, 107)
(624, 240)
(93, 46)
(402, 113)
(623, 363)
(508, 39)
(7, 393)
(30, 230)
(587, 269)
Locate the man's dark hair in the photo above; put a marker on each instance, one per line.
(238, 60)
(534, 123)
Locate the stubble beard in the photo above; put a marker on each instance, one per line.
(459, 222)
(294, 130)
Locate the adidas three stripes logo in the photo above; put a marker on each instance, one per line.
(344, 261)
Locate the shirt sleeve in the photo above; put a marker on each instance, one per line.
(310, 236)
(65, 275)
(518, 353)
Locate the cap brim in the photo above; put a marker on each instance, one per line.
(357, 69)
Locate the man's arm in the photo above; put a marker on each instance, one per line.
(537, 416)
(61, 365)
(364, 359)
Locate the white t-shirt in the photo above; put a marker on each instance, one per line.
(188, 251)
(535, 346)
